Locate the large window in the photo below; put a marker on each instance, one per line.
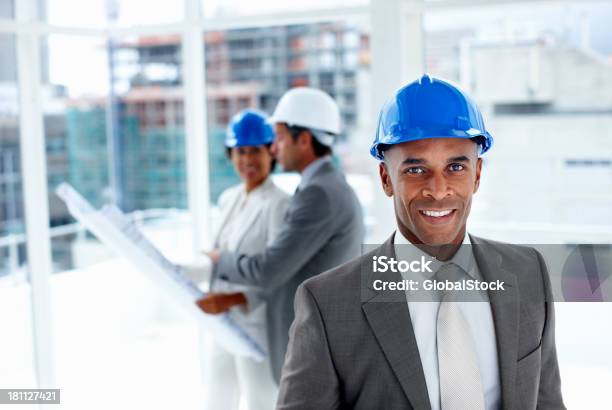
(253, 67)
(114, 130)
(16, 354)
(543, 77)
(134, 98)
(76, 139)
(540, 72)
(114, 114)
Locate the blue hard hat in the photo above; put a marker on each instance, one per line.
(429, 108)
(249, 128)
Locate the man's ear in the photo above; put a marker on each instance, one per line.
(478, 169)
(305, 139)
(385, 179)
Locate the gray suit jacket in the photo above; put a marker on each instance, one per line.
(323, 228)
(349, 349)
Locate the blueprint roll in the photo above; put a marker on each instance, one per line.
(115, 230)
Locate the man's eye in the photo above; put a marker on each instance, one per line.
(414, 170)
(456, 167)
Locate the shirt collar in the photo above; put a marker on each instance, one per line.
(258, 189)
(464, 257)
(312, 169)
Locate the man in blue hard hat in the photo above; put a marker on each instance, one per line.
(365, 337)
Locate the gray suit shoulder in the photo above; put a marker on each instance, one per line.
(340, 286)
(507, 250)
(523, 261)
(340, 276)
(330, 178)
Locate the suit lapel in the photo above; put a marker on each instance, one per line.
(252, 212)
(505, 309)
(392, 327)
(226, 211)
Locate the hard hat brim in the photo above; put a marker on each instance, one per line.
(390, 140)
(235, 143)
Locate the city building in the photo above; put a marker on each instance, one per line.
(245, 68)
(549, 107)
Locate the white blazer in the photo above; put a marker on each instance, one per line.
(256, 228)
(259, 223)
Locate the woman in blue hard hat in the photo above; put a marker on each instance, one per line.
(251, 214)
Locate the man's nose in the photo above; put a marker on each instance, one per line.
(437, 188)
(274, 149)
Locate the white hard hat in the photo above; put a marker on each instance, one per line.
(309, 108)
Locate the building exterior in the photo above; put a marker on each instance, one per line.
(245, 68)
(250, 67)
(538, 96)
(11, 199)
(549, 108)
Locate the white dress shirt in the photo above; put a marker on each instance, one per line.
(478, 315)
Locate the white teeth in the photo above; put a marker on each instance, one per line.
(437, 214)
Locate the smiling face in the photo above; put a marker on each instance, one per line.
(432, 182)
(252, 164)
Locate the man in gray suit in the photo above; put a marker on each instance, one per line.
(356, 345)
(324, 222)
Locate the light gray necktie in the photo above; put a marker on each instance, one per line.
(460, 382)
